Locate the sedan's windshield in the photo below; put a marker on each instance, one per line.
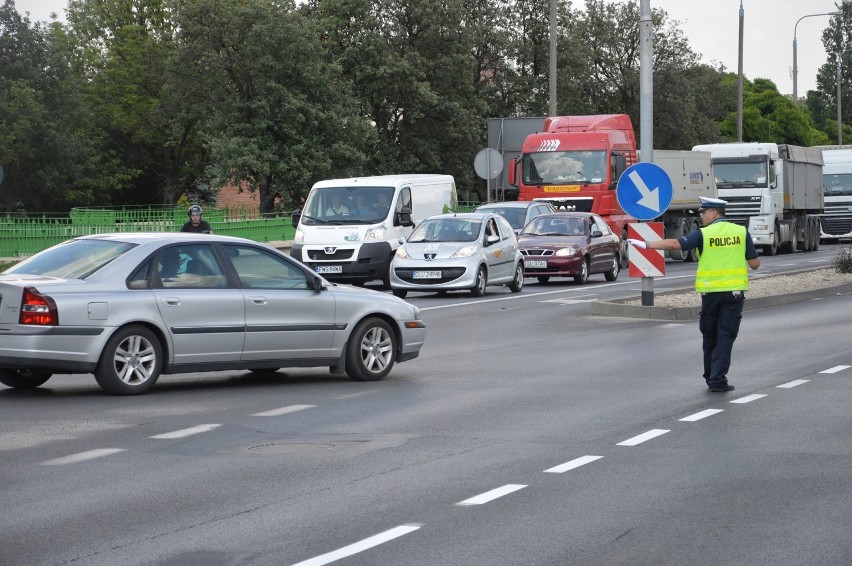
(449, 229)
(549, 226)
(74, 259)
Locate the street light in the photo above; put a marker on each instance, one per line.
(795, 57)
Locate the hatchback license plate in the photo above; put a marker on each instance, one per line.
(535, 264)
(329, 269)
(426, 275)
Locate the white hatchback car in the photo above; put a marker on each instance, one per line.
(451, 252)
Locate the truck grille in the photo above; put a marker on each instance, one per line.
(740, 208)
(837, 219)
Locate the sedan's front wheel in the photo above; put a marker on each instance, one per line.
(371, 350)
(583, 276)
(23, 378)
(131, 362)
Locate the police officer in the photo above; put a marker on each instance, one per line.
(195, 223)
(725, 249)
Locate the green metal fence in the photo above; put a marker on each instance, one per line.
(24, 235)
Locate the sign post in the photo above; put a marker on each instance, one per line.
(644, 191)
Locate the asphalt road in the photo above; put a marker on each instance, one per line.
(529, 432)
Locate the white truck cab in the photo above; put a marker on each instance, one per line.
(350, 229)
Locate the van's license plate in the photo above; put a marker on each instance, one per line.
(426, 275)
(329, 269)
(535, 264)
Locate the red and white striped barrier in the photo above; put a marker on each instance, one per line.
(646, 262)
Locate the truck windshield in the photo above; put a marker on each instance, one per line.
(739, 174)
(837, 185)
(347, 205)
(560, 167)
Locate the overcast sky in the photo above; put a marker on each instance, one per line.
(712, 28)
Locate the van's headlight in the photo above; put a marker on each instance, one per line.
(376, 233)
(300, 236)
(466, 251)
(566, 252)
(402, 253)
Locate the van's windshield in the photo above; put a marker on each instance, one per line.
(347, 205)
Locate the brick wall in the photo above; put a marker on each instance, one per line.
(231, 197)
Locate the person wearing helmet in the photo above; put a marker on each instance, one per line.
(195, 223)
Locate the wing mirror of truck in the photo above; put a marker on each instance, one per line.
(403, 218)
(620, 165)
(511, 172)
(295, 216)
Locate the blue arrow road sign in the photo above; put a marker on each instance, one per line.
(644, 191)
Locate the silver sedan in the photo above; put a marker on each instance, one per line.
(129, 307)
(458, 252)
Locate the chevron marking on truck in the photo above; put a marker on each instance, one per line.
(549, 145)
(647, 262)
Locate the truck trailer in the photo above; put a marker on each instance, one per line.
(575, 164)
(773, 190)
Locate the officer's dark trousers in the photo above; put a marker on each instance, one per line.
(719, 323)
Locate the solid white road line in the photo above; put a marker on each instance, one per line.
(492, 495)
(575, 463)
(360, 546)
(749, 398)
(283, 410)
(83, 456)
(643, 437)
(183, 433)
(835, 369)
(793, 383)
(701, 415)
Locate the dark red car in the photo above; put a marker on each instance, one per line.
(569, 244)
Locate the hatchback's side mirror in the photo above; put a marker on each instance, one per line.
(492, 239)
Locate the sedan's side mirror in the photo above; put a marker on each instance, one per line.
(318, 284)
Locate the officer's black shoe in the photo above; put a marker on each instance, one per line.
(722, 388)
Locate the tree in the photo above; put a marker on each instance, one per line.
(281, 115)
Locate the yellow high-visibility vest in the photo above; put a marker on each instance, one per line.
(722, 265)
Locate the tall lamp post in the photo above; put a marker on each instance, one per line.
(795, 55)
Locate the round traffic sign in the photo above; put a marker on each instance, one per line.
(488, 163)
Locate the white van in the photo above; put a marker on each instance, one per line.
(350, 229)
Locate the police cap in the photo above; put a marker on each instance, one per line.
(707, 202)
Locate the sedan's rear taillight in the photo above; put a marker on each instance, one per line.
(38, 309)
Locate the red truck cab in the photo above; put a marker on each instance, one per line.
(575, 164)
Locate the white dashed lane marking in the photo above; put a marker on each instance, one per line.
(492, 495)
(749, 398)
(793, 383)
(835, 369)
(643, 437)
(701, 415)
(283, 410)
(575, 463)
(360, 546)
(83, 456)
(183, 433)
